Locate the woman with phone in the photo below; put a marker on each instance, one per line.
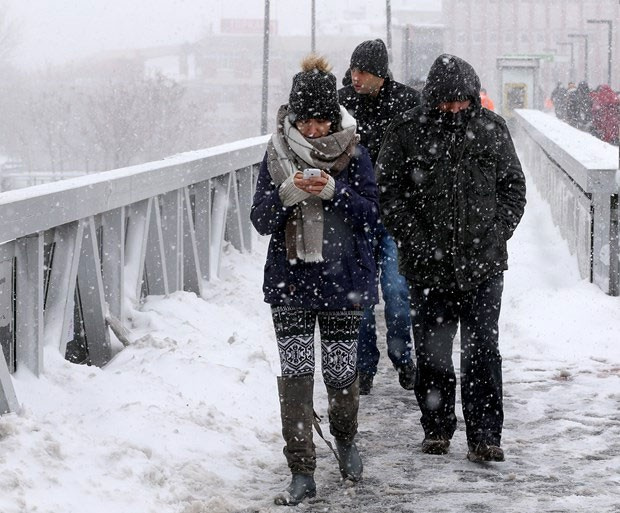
(317, 198)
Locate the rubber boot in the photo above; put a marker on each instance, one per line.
(342, 411)
(301, 486)
(296, 411)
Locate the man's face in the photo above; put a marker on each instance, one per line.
(365, 83)
(454, 107)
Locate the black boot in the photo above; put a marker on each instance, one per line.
(343, 407)
(301, 486)
(365, 380)
(351, 466)
(406, 375)
(297, 414)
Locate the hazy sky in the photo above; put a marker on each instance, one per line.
(53, 31)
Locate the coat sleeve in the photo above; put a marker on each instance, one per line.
(358, 199)
(268, 214)
(392, 190)
(510, 186)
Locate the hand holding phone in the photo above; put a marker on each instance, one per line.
(311, 172)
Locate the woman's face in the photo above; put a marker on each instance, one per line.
(313, 128)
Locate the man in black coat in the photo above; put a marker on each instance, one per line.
(374, 100)
(451, 193)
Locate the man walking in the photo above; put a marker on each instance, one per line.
(374, 100)
(452, 193)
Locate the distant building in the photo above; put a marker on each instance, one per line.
(481, 31)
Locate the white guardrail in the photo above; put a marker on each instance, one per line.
(72, 252)
(578, 176)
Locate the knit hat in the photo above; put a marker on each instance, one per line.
(314, 94)
(371, 56)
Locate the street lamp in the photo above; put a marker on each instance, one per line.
(313, 27)
(585, 51)
(572, 58)
(609, 44)
(388, 20)
(263, 113)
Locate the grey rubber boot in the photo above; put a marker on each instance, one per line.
(296, 411)
(342, 411)
(301, 486)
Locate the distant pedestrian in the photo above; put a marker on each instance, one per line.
(486, 102)
(452, 193)
(316, 196)
(605, 114)
(579, 107)
(558, 97)
(375, 99)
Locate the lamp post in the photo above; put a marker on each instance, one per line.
(609, 44)
(263, 114)
(388, 20)
(313, 27)
(571, 75)
(585, 52)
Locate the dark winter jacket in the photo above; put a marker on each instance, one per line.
(451, 194)
(558, 97)
(579, 107)
(374, 114)
(347, 276)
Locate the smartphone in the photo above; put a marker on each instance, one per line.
(310, 172)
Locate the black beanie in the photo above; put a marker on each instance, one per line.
(314, 94)
(371, 56)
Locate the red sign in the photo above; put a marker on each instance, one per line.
(246, 26)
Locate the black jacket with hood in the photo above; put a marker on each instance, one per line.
(451, 186)
(374, 113)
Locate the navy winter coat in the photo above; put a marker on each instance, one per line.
(346, 278)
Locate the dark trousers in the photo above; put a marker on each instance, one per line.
(436, 314)
(397, 317)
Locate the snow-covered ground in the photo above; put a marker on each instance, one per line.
(186, 419)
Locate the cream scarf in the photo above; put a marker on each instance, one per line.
(288, 152)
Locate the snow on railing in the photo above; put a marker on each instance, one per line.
(73, 252)
(578, 175)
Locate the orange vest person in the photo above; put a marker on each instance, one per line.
(487, 103)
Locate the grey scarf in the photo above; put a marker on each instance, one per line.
(288, 152)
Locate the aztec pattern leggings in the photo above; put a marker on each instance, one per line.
(339, 329)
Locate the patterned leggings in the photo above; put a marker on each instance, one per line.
(339, 332)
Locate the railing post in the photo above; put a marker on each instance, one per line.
(246, 193)
(158, 276)
(135, 250)
(172, 230)
(60, 296)
(113, 260)
(92, 298)
(8, 399)
(29, 303)
(192, 275)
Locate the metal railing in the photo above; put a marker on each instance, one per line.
(577, 174)
(73, 253)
